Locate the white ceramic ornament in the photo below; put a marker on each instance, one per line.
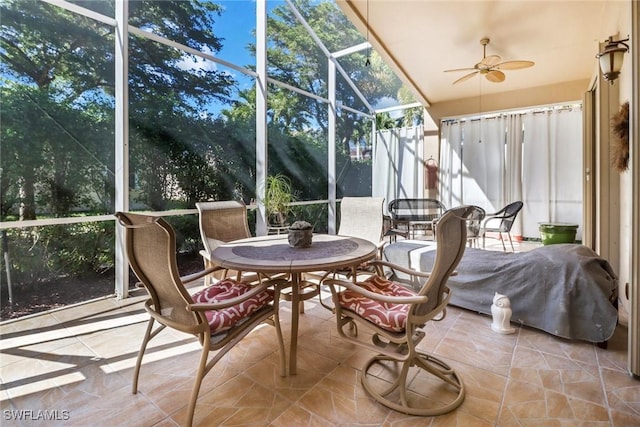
(501, 312)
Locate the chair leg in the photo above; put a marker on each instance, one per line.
(202, 370)
(511, 242)
(148, 335)
(208, 279)
(504, 248)
(276, 324)
(396, 397)
(143, 347)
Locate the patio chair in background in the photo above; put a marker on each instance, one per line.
(219, 315)
(415, 214)
(363, 217)
(221, 222)
(501, 222)
(474, 223)
(395, 313)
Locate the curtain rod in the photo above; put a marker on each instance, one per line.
(521, 111)
(489, 116)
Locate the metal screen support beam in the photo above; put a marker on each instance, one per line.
(331, 148)
(261, 115)
(121, 143)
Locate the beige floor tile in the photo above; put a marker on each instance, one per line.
(80, 360)
(473, 346)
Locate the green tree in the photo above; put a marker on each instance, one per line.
(294, 58)
(384, 121)
(68, 59)
(412, 116)
(298, 125)
(41, 67)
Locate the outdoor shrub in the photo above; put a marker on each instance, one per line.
(187, 231)
(39, 254)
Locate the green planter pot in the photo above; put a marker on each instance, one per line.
(553, 233)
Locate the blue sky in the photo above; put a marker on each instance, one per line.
(236, 26)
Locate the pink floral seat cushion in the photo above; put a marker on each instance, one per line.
(226, 318)
(392, 317)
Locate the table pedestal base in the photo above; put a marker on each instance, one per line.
(301, 290)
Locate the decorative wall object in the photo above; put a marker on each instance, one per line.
(620, 140)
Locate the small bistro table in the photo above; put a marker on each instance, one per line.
(272, 254)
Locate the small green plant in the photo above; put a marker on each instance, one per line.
(277, 199)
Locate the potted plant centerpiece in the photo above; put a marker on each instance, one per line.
(277, 199)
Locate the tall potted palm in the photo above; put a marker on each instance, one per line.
(277, 199)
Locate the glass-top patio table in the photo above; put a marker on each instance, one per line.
(272, 254)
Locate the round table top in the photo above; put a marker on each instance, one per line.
(272, 254)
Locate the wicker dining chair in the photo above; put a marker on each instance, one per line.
(395, 313)
(219, 315)
(474, 224)
(501, 222)
(221, 222)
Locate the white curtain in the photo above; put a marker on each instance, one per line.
(536, 174)
(535, 157)
(483, 162)
(513, 167)
(384, 170)
(450, 178)
(472, 161)
(398, 170)
(552, 169)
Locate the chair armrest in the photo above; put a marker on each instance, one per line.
(204, 254)
(198, 275)
(417, 299)
(400, 268)
(488, 219)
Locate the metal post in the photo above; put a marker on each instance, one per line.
(121, 143)
(261, 115)
(7, 264)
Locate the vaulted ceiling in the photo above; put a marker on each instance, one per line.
(422, 38)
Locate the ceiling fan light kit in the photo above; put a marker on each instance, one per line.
(490, 66)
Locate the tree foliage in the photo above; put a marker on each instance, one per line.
(294, 58)
(58, 110)
(61, 66)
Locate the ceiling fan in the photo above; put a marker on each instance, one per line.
(491, 66)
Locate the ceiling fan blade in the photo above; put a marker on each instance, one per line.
(489, 61)
(459, 69)
(495, 76)
(514, 65)
(466, 77)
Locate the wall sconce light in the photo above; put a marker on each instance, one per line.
(611, 58)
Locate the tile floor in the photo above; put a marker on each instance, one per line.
(75, 365)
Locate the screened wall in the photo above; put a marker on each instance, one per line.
(202, 102)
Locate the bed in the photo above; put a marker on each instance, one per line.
(566, 289)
